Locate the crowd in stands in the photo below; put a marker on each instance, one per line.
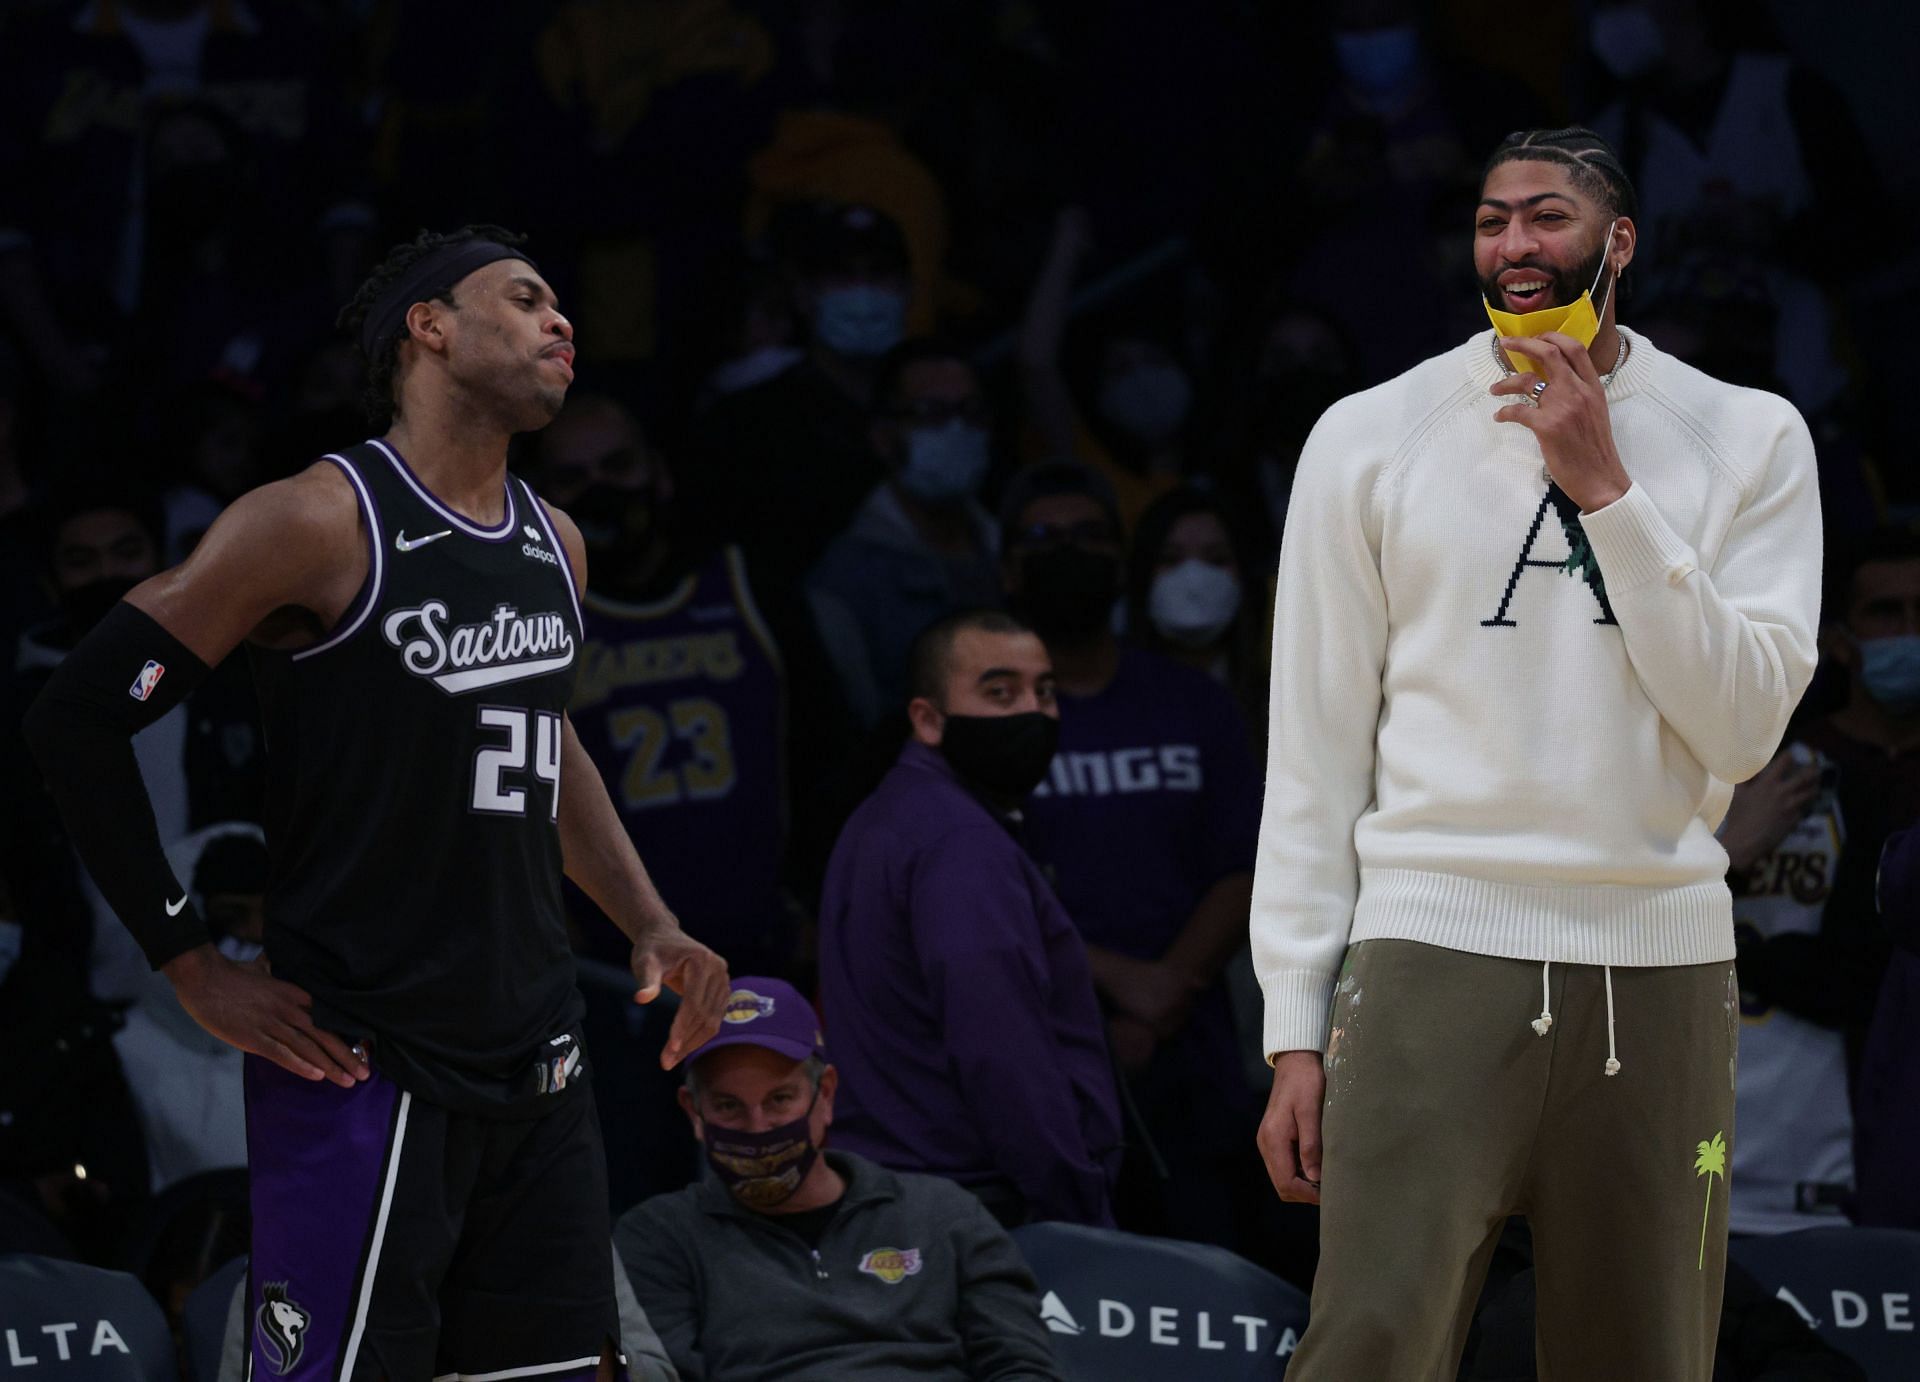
(942, 366)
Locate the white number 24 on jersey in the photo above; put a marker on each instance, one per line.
(493, 793)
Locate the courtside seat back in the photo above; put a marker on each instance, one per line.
(1858, 1287)
(1120, 1307)
(64, 1322)
(203, 1321)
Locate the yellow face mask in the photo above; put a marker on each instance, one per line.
(1578, 320)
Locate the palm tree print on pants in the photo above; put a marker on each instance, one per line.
(1710, 1161)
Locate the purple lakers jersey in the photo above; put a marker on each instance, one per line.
(681, 703)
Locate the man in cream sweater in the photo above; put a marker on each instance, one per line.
(1542, 600)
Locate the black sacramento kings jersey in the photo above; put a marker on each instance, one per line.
(413, 782)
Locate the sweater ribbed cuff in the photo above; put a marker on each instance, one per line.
(1298, 1001)
(1634, 545)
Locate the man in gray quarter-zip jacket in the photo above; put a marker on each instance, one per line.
(792, 1265)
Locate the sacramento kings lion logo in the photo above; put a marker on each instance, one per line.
(280, 1329)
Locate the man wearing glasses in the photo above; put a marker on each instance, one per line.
(920, 546)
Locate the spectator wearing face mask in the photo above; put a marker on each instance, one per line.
(1189, 596)
(962, 1010)
(1866, 754)
(791, 1261)
(799, 443)
(185, 1080)
(921, 545)
(1805, 840)
(1147, 819)
(681, 698)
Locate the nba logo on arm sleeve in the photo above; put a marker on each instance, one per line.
(148, 679)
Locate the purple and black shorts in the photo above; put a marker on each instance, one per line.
(395, 1239)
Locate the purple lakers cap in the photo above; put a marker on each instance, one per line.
(769, 1013)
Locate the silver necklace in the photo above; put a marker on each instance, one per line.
(1619, 358)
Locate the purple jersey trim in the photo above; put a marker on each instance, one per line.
(500, 534)
(369, 596)
(566, 562)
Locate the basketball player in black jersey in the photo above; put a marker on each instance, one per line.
(428, 1184)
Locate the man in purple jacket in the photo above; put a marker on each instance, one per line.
(956, 991)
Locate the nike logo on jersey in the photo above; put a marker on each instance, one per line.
(400, 539)
(174, 908)
(511, 646)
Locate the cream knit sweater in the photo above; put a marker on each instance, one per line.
(1502, 727)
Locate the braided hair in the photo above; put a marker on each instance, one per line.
(1593, 165)
(377, 399)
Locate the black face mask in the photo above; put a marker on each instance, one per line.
(86, 605)
(1006, 755)
(1067, 593)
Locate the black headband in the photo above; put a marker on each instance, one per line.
(436, 272)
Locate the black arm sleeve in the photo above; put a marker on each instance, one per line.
(121, 678)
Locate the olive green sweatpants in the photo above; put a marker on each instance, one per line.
(1446, 1112)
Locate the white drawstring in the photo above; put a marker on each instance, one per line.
(1613, 1061)
(1544, 1023)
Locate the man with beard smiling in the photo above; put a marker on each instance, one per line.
(1541, 600)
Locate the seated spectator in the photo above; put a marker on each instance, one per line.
(681, 695)
(1193, 595)
(1148, 820)
(185, 1080)
(962, 1009)
(792, 1263)
(1804, 839)
(799, 444)
(921, 545)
